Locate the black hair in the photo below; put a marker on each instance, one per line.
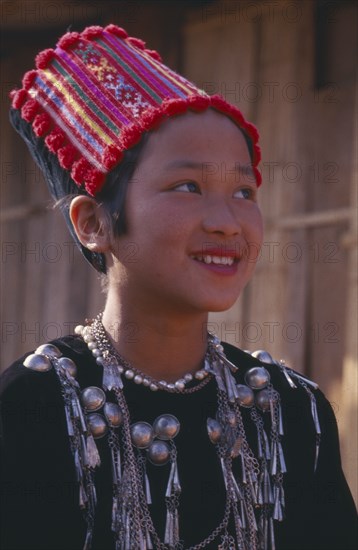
(63, 189)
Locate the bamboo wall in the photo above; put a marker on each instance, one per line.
(262, 56)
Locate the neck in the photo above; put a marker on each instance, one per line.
(160, 345)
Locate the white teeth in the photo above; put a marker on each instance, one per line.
(217, 260)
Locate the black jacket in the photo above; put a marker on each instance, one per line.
(39, 494)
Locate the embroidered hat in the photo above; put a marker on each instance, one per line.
(94, 96)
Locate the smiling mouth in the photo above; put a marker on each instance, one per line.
(216, 260)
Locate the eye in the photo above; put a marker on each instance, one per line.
(187, 187)
(247, 193)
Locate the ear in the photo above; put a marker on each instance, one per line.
(90, 223)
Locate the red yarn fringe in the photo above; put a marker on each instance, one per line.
(43, 59)
(173, 107)
(130, 136)
(18, 98)
(151, 118)
(83, 174)
(79, 170)
(258, 176)
(68, 40)
(111, 157)
(66, 156)
(29, 110)
(94, 181)
(41, 124)
(117, 31)
(54, 140)
(28, 79)
(154, 55)
(198, 103)
(92, 32)
(137, 42)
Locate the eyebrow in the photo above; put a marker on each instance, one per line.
(242, 169)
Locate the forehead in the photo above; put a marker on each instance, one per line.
(195, 138)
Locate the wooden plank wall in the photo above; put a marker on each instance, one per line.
(262, 56)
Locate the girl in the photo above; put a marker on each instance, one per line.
(142, 430)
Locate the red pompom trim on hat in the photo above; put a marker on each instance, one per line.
(92, 32)
(83, 174)
(151, 118)
(66, 156)
(28, 79)
(43, 58)
(29, 110)
(41, 124)
(137, 42)
(18, 98)
(252, 131)
(68, 40)
(174, 106)
(130, 136)
(94, 181)
(79, 170)
(54, 140)
(112, 156)
(256, 155)
(154, 55)
(198, 103)
(222, 105)
(117, 31)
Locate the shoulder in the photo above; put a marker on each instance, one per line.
(29, 377)
(38, 474)
(306, 409)
(282, 376)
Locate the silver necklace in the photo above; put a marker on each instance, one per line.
(102, 349)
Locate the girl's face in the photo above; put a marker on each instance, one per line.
(194, 226)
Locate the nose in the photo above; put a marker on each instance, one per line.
(220, 218)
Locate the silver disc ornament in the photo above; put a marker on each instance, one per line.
(166, 426)
(257, 378)
(159, 452)
(93, 398)
(142, 435)
(263, 399)
(49, 349)
(37, 362)
(67, 364)
(113, 414)
(246, 396)
(215, 431)
(97, 424)
(263, 356)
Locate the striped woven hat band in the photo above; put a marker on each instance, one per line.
(94, 96)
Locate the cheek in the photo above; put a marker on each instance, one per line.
(254, 233)
(161, 225)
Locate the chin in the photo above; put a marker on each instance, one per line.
(218, 305)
